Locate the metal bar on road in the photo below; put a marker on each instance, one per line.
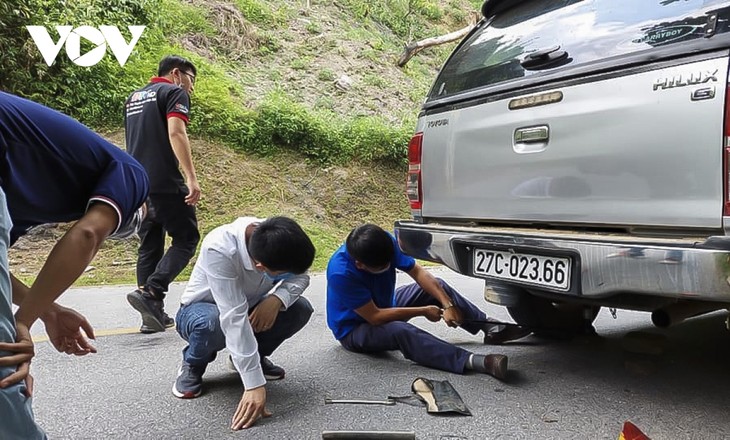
(360, 401)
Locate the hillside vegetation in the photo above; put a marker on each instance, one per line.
(298, 109)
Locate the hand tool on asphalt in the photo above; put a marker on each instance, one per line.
(368, 435)
(534, 329)
(388, 401)
(439, 396)
(506, 324)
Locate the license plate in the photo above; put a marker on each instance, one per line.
(538, 270)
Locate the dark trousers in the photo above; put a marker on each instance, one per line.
(416, 344)
(166, 214)
(199, 324)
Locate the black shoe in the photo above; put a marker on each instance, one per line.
(189, 382)
(271, 371)
(498, 334)
(166, 320)
(150, 308)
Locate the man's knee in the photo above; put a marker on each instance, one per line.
(194, 237)
(198, 321)
(207, 325)
(400, 328)
(447, 287)
(186, 241)
(302, 311)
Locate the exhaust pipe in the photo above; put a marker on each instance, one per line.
(678, 312)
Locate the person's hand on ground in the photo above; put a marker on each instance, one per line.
(250, 409)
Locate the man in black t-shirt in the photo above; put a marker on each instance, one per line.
(155, 120)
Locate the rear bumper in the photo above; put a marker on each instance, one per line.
(696, 268)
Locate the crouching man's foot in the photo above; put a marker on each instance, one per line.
(271, 370)
(189, 382)
(492, 364)
(497, 334)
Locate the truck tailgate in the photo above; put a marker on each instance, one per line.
(618, 151)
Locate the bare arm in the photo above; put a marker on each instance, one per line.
(66, 262)
(63, 325)
(64, 265)
(181, 148)
(452, 315)
(374, 315)
(429, 283)
(20, 292)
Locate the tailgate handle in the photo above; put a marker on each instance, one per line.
(527, 135)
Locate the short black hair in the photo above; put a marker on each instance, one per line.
(370, 245)
(280, 244)
(173, 61)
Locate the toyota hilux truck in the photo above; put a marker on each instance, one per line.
(575, 154)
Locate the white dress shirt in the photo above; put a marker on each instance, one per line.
(224, 274)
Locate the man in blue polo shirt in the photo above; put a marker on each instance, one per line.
(367, 314)
(53, 169)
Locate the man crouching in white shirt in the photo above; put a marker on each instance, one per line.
(244, 294)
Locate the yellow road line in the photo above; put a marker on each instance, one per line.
(98, 333)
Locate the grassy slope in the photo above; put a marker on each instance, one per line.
(275, 45)
(326, 201)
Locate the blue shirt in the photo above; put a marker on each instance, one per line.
(52, 167)
(349, 288)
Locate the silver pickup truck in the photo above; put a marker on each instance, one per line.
(575, 154)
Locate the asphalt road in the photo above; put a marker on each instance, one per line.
(671, 384)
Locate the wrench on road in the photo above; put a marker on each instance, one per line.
(361, 402)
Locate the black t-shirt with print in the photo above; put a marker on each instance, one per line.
(145, 120)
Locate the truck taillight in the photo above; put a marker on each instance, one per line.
(413, 181)
(726, 157)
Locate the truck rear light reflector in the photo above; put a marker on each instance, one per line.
(413, 180)
(726, 158)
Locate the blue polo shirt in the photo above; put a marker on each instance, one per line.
(349, 288)
(52, 167)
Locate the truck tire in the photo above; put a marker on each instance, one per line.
(553, 319)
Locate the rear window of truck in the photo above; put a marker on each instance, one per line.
(574, 32)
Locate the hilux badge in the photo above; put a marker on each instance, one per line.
(686, 80)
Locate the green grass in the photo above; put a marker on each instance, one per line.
(266, 117)
(327, 202)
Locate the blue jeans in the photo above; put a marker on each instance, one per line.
(17, 414)
(416, 344)
(199, 324)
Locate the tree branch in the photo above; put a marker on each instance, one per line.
(412, 49)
